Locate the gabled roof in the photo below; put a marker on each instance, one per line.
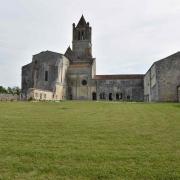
(82, 22)
(177, 54)
(169, 58)
(48, 53)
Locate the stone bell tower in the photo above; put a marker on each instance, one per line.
(81, 45)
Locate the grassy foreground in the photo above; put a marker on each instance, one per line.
(89, 140)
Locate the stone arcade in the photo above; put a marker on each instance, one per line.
(72, 76)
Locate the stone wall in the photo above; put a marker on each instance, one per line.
(120, 89)
(40, 95)
(80, 83)
(47, 72)
(151, 85)
(168, 78)
(162, 80)
(9, 97)
(27, 79)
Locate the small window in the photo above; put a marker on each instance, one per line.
(79, 35)
(82, 35)
(44, 96)
(84, 82)
(46, 75)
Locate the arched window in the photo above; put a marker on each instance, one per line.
(82, 35)
(46, 76)
(79, 35)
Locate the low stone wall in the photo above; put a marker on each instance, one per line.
(9, 97)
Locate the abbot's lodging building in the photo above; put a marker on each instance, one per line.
(72, 76)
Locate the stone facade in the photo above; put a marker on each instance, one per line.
(162, 80)
(47, 72)
(120, 87)
(72, 76)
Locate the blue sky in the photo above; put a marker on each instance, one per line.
(128, 35)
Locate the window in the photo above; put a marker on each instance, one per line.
(46, 75)
(84, 82)
(79, 35)
(44, 96)
(82, 35)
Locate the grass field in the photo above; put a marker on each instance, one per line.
(89, 140)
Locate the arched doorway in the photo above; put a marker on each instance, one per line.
(94, 97)
(117, 96)
(110, 97)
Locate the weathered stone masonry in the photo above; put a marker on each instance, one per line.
(72, 76)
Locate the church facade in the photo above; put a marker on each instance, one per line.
(72, 76)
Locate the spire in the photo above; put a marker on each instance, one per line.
(82, 22)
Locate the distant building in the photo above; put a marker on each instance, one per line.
(72, 76)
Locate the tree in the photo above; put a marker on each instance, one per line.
(9, 90)
(3, 90)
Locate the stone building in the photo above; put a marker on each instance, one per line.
(72, 76)
(162, 81)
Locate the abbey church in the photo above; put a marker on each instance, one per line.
(72, 76)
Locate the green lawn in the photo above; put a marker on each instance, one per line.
(89, 140)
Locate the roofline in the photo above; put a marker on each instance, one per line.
(49, 52)
(161, 60)
(26, 65)
(118, 76)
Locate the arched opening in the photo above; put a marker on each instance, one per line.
(117, 96)
(79, 35)
(110, 97)
(94, 97)
(102, 96)
(82, 35)
(121, 95)
(70, 97)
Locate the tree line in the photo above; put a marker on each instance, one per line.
(14, 90)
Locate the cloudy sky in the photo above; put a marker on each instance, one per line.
(128, 35)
